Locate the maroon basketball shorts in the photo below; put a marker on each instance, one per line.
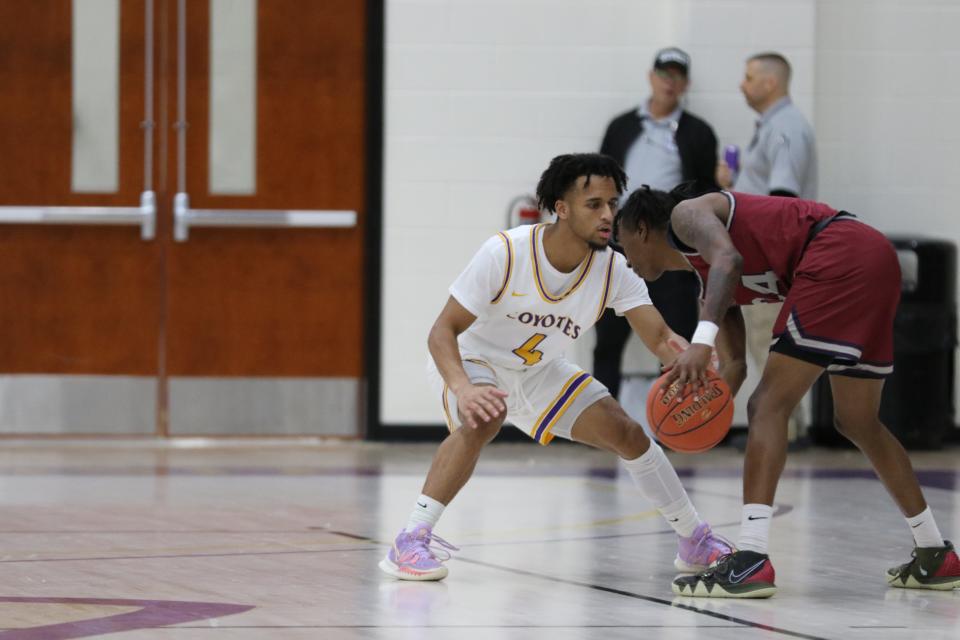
(839, 312)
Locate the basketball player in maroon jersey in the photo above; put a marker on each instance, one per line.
(839, 280)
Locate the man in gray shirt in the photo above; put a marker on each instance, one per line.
(780, 161)
(782, 158)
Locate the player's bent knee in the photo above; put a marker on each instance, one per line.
(764, 403)
(856, 436)
(489, 430)
(483, 434)
(855, 427)
(610, 429)
(839, 425)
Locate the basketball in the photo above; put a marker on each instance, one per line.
(692, 423)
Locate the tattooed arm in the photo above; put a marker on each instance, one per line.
(698, 223)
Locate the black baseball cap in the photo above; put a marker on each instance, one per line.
(672, 56)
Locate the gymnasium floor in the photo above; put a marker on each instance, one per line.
(268, 539)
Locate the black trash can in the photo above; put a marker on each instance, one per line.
(917, 403)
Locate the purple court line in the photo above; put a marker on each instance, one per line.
(152, 613)
(934, 478)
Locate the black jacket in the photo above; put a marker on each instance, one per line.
(695, 140)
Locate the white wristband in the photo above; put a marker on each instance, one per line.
(706, 333)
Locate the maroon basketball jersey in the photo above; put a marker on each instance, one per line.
(770, 233)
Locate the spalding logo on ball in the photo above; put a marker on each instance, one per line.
(693, 422)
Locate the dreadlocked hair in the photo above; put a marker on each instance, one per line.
(564, 171)
(654, 207)
(645, 205)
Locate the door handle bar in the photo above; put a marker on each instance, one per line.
(184, 217)
(144, 216)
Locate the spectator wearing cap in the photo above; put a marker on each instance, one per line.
(659, 144)
(780, 161)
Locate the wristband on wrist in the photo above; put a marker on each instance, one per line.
(706, 333)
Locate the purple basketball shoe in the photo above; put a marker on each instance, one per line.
(412, 558)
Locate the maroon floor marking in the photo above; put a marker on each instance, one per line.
(153, 613)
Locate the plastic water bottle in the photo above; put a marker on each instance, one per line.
(731, 155)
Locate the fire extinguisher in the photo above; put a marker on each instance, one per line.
(523, 210)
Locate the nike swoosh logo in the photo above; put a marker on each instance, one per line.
(674, 520)
(923, 571)
(518, 295)
(420, 504)
(916, 525)
(737, 577)
(756, 517)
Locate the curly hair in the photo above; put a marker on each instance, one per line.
(564, 171)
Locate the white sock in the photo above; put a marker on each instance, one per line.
(658, 482)
(924, 529)
(755, 527)
(427, 510)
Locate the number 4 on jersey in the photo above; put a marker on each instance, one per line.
(527, 351)
(764, 283)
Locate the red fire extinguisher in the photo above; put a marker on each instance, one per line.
(523, 210)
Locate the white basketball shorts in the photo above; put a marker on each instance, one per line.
(543, 402)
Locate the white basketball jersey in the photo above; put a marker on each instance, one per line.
(527, 311)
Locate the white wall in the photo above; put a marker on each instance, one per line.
(887, 111)
(480, 94)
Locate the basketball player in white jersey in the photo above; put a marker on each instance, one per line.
(498, 347)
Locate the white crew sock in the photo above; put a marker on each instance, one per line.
(755, 527)
(427, 510)
(924, 529)
(658, 482)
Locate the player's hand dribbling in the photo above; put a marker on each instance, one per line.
(478, 404)
(690, 367)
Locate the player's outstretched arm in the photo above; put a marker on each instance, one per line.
(475, 404)
(697, 223)
(647, 323)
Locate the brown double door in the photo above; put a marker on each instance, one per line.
(234, 330)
